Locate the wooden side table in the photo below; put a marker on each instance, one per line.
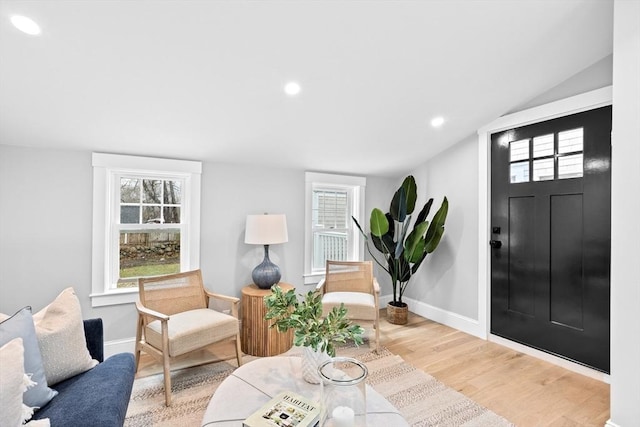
(257, 338)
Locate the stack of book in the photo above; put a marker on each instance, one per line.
(287, 409)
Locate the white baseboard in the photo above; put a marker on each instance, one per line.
(453, 320)
(610, 424)
(125, 345)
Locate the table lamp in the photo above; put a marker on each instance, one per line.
(266, 230)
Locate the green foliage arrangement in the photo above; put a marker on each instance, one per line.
(404, 251)
(305, 318)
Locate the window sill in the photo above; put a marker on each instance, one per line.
(312, 278)
(125, 296)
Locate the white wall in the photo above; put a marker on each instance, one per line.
(45, 233)
(594, 77)
(379, 194)
(229, 194)
(448, 278)
(625, 205)
(45, 228)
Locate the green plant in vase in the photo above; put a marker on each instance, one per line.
(404, 251)
(317, 334)
(304, 316)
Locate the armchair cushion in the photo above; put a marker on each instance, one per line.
(361, 306)
(192, 329)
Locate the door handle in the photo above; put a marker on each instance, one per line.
(496, 244)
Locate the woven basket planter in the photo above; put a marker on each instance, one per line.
(397, 315)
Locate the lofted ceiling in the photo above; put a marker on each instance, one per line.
(204, 80)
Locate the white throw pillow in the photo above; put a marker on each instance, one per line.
(13, 383)
(61, 338)
(39, 423)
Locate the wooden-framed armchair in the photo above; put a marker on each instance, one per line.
(352, 283)
(174, 318)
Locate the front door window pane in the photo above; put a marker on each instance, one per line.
(570, 141)
(543, 169)
(519, 172)
(570, 166)
(543, 146)
(519, 150)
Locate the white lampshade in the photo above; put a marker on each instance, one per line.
(266, 229)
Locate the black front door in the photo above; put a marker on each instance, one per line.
(551, 236)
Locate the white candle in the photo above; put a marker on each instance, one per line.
(343, 416)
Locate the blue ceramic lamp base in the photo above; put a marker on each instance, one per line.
(267, 273)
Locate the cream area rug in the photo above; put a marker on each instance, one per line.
(422, 400)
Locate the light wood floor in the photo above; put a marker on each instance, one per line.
(525, 390)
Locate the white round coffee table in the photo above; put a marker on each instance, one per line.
(255, 383)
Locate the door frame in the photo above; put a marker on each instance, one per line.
(575, 104)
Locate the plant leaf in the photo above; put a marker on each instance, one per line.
(437, 224)
(398, 208)
(377, 242)
(392, 228)
(401, 238)
(415, 243)
(418, 263)
(411, 194)
(359, 228)
(399, 249)
(405, 270)
(392, 268)
(379, 225)
(435, 241)
(424, 212)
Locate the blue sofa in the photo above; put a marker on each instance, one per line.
(98, 397)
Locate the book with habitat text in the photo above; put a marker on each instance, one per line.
(287, 409)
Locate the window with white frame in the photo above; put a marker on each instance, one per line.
(330, 234)
(146, 222)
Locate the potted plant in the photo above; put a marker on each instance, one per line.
(403, 251)
(315, 333)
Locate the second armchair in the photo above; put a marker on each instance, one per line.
(353, 284)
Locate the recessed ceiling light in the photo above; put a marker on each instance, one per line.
(436, 122)
(26, 25)
(292, 88)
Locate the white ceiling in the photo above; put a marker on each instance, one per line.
(203, 79)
